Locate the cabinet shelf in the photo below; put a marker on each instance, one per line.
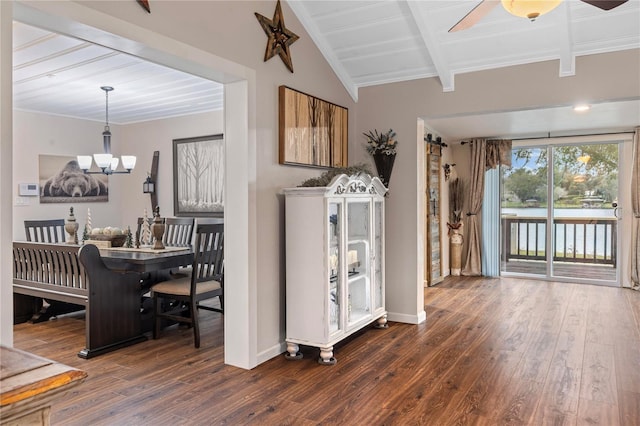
(334, 262)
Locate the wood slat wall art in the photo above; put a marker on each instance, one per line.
(312, 131)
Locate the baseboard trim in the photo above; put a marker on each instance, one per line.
(408, 319)
(272, 352)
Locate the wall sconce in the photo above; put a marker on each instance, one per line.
(148, 186)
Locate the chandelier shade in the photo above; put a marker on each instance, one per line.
(107, 163)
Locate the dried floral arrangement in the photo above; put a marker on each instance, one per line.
(325, 178)
(381, 143)
(456, 202)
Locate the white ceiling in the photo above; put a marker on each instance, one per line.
(375, 42)
(367, 43)
(62, 75)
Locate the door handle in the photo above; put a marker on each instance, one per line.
(616, 211)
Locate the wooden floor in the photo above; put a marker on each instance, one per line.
(492, 352)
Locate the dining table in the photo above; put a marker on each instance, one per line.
(121, 311)
(146, 259)
(151, 266)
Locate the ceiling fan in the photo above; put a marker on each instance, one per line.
(529, 9)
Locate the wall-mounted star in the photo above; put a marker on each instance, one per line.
(280, 38)
(145, 5)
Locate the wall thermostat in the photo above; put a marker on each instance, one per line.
(29, 189)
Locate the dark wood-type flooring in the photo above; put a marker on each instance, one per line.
(492, 352)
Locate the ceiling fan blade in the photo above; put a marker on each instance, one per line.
(476, 14)
(605, 4)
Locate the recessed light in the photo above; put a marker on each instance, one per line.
(582, 108)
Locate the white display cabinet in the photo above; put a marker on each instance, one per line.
(335, 262)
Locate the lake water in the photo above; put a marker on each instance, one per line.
(574, 234)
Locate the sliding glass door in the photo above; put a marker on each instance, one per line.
(559, 212)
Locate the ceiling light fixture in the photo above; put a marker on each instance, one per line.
(530, 9)
(107, 162)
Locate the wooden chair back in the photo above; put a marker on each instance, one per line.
(208, 262)
(178, 231)
(205, 282)
(45, 231)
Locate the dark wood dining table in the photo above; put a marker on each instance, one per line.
(120, 317)
(146, 260)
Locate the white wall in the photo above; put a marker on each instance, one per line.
(6, 182)
(141, 140)
(229, 29)
(35, 134)
(599, 78)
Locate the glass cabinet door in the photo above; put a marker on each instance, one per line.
(378, 259)
(358, 260)
(335, 235)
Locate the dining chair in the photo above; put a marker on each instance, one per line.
(206, 281)
(45, 231)
(178, 231)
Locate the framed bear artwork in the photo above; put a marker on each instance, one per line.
(62, 181)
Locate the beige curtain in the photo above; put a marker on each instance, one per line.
(498, 153)
(635, 205)
(473, 263)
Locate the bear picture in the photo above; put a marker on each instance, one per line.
(63, 181)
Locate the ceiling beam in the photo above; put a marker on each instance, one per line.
(425, 25)
(316, 35)
(567, 57)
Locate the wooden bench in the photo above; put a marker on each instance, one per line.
(77, 274)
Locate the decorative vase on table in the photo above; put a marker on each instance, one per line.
(71, 226)
(157, 229)
(384, 166)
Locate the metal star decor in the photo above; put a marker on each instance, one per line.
(145, 5)
(280, 38)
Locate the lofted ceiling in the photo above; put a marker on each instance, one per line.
(366, 43)
(376, 42)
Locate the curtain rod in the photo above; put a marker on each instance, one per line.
(630, 132)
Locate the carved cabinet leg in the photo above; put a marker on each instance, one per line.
(326, 356)
(382, 322)
(293, 351)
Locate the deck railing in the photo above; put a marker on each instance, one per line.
(579, 240)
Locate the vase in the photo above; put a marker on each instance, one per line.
(455, 249)
(72, 228)
(384, 165)
(157, 229)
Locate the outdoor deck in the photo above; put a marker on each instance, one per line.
(562, 269)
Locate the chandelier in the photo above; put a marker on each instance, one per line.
(107, 163)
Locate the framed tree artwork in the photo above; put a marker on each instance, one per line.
(312, 132)
(198, 176)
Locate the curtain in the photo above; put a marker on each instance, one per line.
(498, 153)
(473, 263)
(635, 205)
(491, 223)
(485, 155)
